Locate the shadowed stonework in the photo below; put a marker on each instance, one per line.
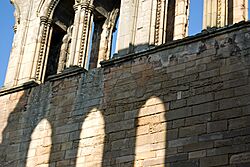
(184, 103)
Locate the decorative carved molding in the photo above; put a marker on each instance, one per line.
(46, 23)
(40, 7)
(219, 3)
(158, 21)
(88, 9)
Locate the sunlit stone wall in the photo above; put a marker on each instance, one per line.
(183, 104)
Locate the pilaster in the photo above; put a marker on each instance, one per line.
(181, 19)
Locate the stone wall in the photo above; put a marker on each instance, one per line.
(183, 104)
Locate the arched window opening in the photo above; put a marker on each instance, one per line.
(60, 40)
(104, 25)
(195, 17)
(91, 32)
(95, 41)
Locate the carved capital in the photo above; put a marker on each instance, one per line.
(49, 22)
(44, 19)
(91, 8)
(84, 5)
(76, 6)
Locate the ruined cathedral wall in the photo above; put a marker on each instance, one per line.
(181, 104)
(26, 39)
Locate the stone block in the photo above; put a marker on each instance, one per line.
(205, 108)
(178, 123)
(217, 126)
(199, 119)
(67, 128)
(214, 161)
(227, 114)
(211, 136)
(193, 130)
(189, 163)
(237, 123)
(200, 99)
(197, 154)
(177, 157)
(209, 74)
(226, 150)
(240, 158)
(198, 146)
(182, 141)
(178, 113)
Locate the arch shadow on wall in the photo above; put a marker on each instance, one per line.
(37, 136)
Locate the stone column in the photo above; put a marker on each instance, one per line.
(160, 28)
(126, 34)
(81, 34)
(77, 8)
(240, 11)
(43, 48)
(222, 13)
(85, 38)
(181, 19)
(218, 13)
(215, 13)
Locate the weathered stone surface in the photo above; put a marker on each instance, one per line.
(240, 158)
(180, 104)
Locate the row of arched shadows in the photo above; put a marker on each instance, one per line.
(45, 141)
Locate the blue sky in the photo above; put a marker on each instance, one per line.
(7, 22)
(6, 33)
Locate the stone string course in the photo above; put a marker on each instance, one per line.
(186, 106)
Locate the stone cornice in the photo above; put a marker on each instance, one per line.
(69, 72)
(27, 85)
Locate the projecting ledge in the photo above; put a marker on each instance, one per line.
(68, 72)
(27, 85)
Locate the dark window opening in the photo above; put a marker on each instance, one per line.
(95, 42)
(230, 11)
(54, 52)
(63, 18)
(104, 31)
(170, 20)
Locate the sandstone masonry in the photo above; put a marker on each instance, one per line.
(181, 104)
(164, 100)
